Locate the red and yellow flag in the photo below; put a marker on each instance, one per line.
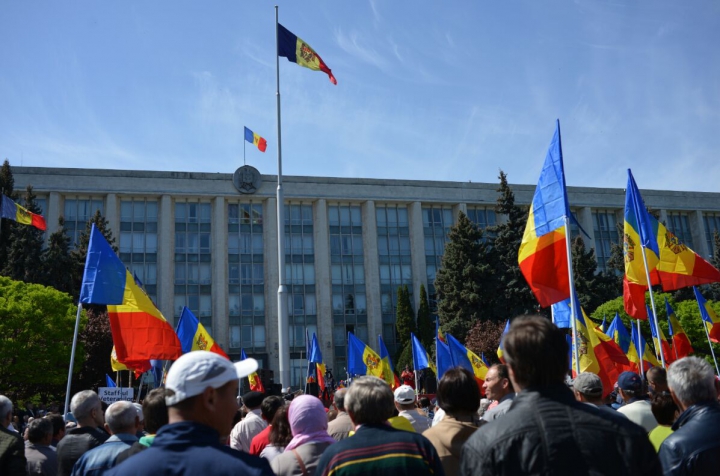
(194, 336)
(681, 342)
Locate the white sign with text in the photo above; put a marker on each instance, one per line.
(115, 394)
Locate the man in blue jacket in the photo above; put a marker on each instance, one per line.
(201, 395)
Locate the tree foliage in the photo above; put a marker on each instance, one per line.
(97, 342)
(36, 334)
(484, 339)
(7, 188)
(593, 288)
(57, 263)
(405, 319)
(425, 324)
(24, 253)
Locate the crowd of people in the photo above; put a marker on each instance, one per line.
(533, 420)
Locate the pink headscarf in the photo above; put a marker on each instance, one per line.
(308, 422)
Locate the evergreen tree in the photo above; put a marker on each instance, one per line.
(79, 253)
(513, 296)
(425, 324)
(405, 319)
(593, 288)
(24, 255)
(465, 283)
(57, 262)
(714, 291)
(7, 188)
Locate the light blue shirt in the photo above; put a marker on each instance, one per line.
(98, 460)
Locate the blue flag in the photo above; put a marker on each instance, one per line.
(105, 276)
(562, 314)
(109, 382)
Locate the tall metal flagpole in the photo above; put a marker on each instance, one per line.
(283, 330)
(72, 357)
(652, 302)
(573, 308)
(640, 352)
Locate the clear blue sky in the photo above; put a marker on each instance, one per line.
(426, 90)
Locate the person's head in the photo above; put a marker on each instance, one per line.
(58, 425)
(691, 380)
(86, 407)
(306, 415)
(424, 402)
(269, 406)
(154, 410)
(339, 399)
(252, 400)
(664, 408)
(404, 397)
(657, 380)
(497, 382)
(280, 433)
(202, 386)
(369, 401)
(122, 417)
(536, 352)
(588, 387)
(6, 409)
(630, 386)
(40, 431)
(458, 393)
(141, 416)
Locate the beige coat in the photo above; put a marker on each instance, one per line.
(448, 438)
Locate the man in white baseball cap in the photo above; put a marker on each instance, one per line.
(201, 395)
(405, 404)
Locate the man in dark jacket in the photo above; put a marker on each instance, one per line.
(86, 407)
(12, 450)
(201, 395)
(546, 431)
(694, 446)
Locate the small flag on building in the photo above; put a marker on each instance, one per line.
(255, 140)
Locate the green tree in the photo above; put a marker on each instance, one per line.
(57, 262)
(405, 319)
(593, 288)
(24, 255)
(36, 334)
(465, 283)
(425, 324)
(7, 188)
(484, 339)
(513, 296)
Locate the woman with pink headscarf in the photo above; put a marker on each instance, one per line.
(308, 423)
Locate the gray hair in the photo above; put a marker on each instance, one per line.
(339, 399)
(83, 403)
(121, 416)
(39, 429)
(692, 380)
(5, 406)
(369, 401)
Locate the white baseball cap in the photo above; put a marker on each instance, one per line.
(195, 371)
(404, 394)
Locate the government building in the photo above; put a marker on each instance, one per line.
(208, 241)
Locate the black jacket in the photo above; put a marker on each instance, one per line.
(694, 447)
(74, 444)
(547, 432)
(12, 453)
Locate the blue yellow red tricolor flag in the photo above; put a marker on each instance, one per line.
(421, 359)
(297, 51)
(500, 345)
(387, 365)
(443, 358)
(138, 367)
(315, 357)
(638, 347)
(139, 330)
(362, 360)
(256, 384)
(13, 211)
(255, 140)
(618, 333)
(709, 317)
(661, 343)
(194, 336)
(543, 251)
(464, 357)
(681, 343)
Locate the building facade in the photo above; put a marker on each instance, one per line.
(209, 242)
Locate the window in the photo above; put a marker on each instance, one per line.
(606, 233)
(193, 257)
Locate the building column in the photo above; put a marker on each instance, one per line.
(663, 216)
(372, 270)
(584, 217)
(219, 238)
(166, 262)
(417, 247)
(697, 229)
(52, 214)
(272, 283)
(323, 285)
(111, 214)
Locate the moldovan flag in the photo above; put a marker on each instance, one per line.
(637, 342)
(387, 365)
(660, 341)
(710, 319)
(681, 342)
(139, 330)
(138, 367)
(297, 51)
(562, 314)
(500, 345)
(543, 251)
(464, 357)
(442, 352)
(255, 140)
(315, 356)
(421, 359)
(362, 360)
(618, 333)
(256, 384)
(13, 211)
(193, 336)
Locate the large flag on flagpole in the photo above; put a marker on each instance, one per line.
(709, 317)
(140, 332)
(618, 333)
(194, 336)
(255, 140)
(464, 357)
(421, 359)
(681, 342)
(387, 366)
(543, 252)
(13, 211)
(362, 360)
(315, 357)
(256, 384)
(297, 51)
(442, 353)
